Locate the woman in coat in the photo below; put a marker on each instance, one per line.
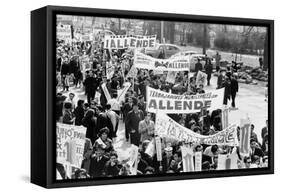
(103, 141)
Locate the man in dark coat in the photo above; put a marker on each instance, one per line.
(91, 84)
(112, 167)
(198, 66)
(234, 89)
(227, 90)
(98, 162)
(104, 121)
(132, 124)
(209, 70)
(79, 112)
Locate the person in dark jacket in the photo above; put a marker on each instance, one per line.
(234, 89)
(221, 78)
(89, 121)
(208, 70)
(79, 112)
(132, 124)
(227, 90)
(91, 85)
(142, 164)
(97, 165)
(198, 66)
(112, 167)
(68, 116)
(104, 121)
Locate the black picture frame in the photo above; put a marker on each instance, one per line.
(43, 94)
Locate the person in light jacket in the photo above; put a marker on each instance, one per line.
(146, 128)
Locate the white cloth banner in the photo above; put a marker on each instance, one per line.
(167, 127)
(159, 101)
(129, 41)
(179, 63)
(70, 144)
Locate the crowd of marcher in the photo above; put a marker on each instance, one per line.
(102, 117)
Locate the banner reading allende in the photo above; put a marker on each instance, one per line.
(129, 41)
(159, 101)
(167, 127)
(178, 63)
(70, 144)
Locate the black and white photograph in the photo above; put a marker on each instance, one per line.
(148, 97)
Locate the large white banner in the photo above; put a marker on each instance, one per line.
(159, 101)
(70, 144)
(178, 63)
(167, 127)
(129, 41)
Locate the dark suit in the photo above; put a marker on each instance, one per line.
(234, 90)
(132, 126)
(97, 166)
(104, 121)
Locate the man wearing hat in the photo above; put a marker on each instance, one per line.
(132, 124)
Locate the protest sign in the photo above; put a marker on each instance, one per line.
(105, 91)
(198, 161)
(133, 157)
(158, 148)
(179, 63)
(121, 92)
(70, 144)
(58, 175)
(187, 158)
(64, 32)
(150, 150)
(201, 78)
(171, 77)
(159, 101)
(245, 135)
(129, 41)
(132, 72)
(227, 161)
(109, 70)
(225, 118)
(167, 127)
